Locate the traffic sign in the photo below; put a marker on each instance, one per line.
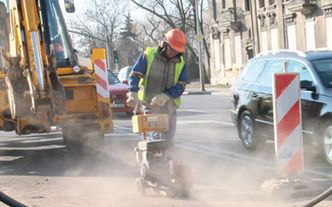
(199, 37)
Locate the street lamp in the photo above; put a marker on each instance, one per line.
(200, 39)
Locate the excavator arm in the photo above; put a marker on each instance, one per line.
(42, 81)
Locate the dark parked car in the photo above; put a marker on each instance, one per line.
(252, 111)
(118, 95)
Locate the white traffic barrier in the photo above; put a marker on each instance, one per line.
(288, 124)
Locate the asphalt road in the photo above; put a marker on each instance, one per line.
(37, 170)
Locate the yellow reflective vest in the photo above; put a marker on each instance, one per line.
(150, 54)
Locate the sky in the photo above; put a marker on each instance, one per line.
(82, 5)
(5, 1)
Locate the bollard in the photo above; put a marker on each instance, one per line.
(287, 136)
(288, 124)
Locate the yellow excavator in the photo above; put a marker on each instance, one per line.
(42, 84)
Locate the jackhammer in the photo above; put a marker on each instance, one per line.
(157, 169)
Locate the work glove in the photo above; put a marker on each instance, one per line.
(159, 100)
(132, 100)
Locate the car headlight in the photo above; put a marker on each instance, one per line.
(76, 69)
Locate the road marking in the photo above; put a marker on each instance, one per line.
(314, 172)
(204, 122)
(25, 148)
(207, 121)
(220, 155)
(122, 136)
(41, 139)
(227, 155)
(190, 110)
(10, 158)
(205, 150)
(128, 128)
(124, 133)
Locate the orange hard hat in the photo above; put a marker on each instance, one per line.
(176, 39)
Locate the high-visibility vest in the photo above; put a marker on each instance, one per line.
(150, 54)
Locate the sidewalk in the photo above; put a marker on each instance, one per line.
(195, 89)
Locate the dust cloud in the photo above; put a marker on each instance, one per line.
(47, 174)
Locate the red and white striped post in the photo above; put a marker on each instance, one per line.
(101, 77)
(288, 124)
(98, 57)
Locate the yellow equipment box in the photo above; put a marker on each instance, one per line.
(150, 123)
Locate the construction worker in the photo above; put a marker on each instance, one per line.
(159, 78)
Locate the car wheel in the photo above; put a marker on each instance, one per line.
(327, 143)
(246, 131)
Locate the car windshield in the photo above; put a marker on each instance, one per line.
(324, 70)
(112, 79)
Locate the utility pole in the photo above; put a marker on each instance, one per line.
(200, 39)
(108, 52)
(256, 29)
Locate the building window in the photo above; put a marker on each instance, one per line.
(227, 54)
(271, 2)
(223, 4)
(261, 3)
(328, 28)
(291, 37)
(247, 5)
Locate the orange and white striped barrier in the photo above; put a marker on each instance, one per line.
(101, 78)
(287, 123)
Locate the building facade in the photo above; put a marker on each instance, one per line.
(243, 28)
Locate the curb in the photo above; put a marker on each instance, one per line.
(197, 93)
(223, 92)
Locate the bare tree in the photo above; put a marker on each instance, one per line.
(100, 24)
(151, 29)
(177, 14)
